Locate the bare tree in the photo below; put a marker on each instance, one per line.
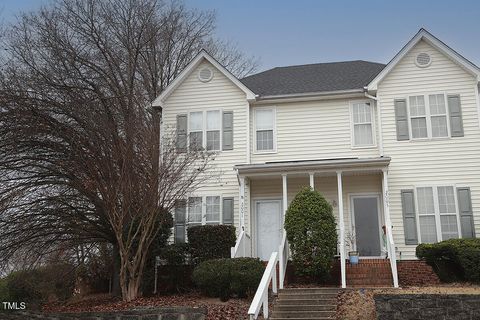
(79, 144)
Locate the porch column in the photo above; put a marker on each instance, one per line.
(284, 188)
(388, 228)
(242, 203)
(342, 229)
(312, 181)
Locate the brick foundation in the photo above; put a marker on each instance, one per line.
(416, 273)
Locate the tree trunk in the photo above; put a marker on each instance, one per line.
(116, 290)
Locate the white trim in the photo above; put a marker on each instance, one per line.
(477, 99)
(248, 134)
(377, 195)
(201, 56)
(434, 42)
(372, 123)
(341, 221)
(274, 150)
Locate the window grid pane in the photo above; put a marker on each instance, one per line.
(425, 201)
(213, 140)
(196, 140)
(213, 120)
(419, 127)
(264, 119)
(194, 210)
(446, 200)
(213, 209)
(363, 134)
(449, 226)
(196, 121)
(439, 126)
(361, 113)
(417, 106)
(437, 104)
(428, 229)
(265, 140)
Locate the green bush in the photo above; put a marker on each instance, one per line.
(47, 283)
(454, 259)
(211, 242)
(4, 296)
(174, 275)
(226, 277)
(311, 233)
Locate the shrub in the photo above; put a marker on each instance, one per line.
(454, 259)
(52, 282)
(226, 277)
(211, 242)
(4, 296)
(311, 233)
(174, 275)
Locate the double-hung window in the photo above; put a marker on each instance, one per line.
(418, 117)
(264, 129)
(437, 213)
(195, 210)
(362, 124)
(213, 130)
(212, 209)
(195, 128)
(438, 115)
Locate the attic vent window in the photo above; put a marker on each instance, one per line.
(423, 60)
(205, 74)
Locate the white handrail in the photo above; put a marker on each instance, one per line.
(283, 259)
(242, 246)
(392, 254)
(261, 296)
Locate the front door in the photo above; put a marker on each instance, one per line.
(269, 227)
(367, 228)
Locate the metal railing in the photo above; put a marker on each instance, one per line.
(282, 259)
(261, 296)
(242, 247)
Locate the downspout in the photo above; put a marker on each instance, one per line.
(379, 121)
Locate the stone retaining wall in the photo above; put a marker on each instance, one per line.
(427, 306)
(139, 314)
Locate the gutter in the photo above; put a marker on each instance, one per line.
(309, 95)
(379, 120)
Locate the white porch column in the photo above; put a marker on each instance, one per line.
(242, 203)
(342, 229)
(388, 228)
(312, 180)
(284, 196)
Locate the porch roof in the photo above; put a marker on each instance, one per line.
(320, 165)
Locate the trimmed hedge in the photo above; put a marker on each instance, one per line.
(226, 277)
(210, 242)
(454, 259)
(311, 233)
(176, 273)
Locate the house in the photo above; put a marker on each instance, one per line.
(394, 148)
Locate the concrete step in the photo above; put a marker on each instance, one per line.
(310, 290)
(303, 314)
(306, 295)
(305, 307)
(309, 318)
(291, 301)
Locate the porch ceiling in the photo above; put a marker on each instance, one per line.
(323, 167)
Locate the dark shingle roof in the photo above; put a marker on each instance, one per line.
(319, 77)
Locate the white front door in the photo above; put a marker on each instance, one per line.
(269, 227)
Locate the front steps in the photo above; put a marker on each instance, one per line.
(369, 273)
(305, 304)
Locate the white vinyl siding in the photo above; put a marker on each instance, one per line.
(437, 213)
(362, 118)
(442, 161)
(265, 129)
(220, 93)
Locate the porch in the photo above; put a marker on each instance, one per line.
(357, 189)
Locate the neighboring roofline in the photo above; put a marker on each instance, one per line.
(423, 34)
(314, 165)
(307, 96)
(202, 55)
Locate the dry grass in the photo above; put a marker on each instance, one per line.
(359, 304)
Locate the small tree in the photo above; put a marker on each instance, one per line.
(311, 232)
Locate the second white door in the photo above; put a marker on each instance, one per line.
(269, 227)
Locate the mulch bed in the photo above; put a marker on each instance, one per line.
(233, 309)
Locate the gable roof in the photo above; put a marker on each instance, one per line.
(313, 78)
(423, 34)
(201, 56)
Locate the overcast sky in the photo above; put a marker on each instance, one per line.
(293, 32)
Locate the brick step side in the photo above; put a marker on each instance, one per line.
(369, 272)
